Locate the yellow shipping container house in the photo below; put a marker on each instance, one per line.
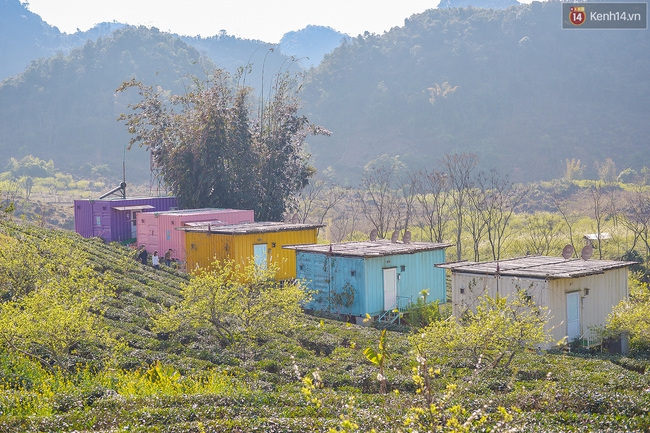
(262, 241)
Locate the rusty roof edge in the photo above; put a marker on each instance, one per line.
(521, 271)
(311, 248)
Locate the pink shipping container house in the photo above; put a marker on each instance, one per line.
(160, 231)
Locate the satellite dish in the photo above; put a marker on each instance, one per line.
(587, 251)
(393, 238)
(373, 235)
(294, 218)
(567, 251)
(407, 237)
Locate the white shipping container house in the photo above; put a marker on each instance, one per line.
(579, 293)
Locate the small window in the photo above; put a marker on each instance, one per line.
(103, 207)
(402, 268)
(78, 206)
(462, 290)
(98, 221)
(353, 272)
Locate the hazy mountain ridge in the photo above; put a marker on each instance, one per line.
(25, 37)
(65, 108)
(508, 85)
(311, 44)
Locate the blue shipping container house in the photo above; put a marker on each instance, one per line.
(373, 277)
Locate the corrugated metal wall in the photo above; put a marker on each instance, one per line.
(318, 270)
(121, 221)
(157, 230)
(169, 237)
(83, 218)
(418, 273)
(605, 291)
(98, 218)
(203, 248)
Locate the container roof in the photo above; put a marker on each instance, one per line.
(134, 207)
(376, 248)
(206, 211)
(543, 267)
(252, 227)
(128, 199)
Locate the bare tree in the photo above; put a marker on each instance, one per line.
(542, 233)
(597, 196)
(378, 199)
(345, 221)
(316, 200)
(459, 168)
(569, 218)
(432, 194)
(635, 217)
(499, 199)
(473, 220)
(405, 198)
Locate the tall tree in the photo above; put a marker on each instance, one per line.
(214, 153)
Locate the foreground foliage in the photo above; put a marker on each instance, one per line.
(632, 316)
(237, 301)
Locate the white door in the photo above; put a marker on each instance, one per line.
(390, 288)
(259, 251)
(573, 315)
(134, 225)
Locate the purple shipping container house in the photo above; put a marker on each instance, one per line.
(114, 220)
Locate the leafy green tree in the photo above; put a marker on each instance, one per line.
(213, 152)
(235, 300)
(632, 316)
(498, 329)
(31, 166)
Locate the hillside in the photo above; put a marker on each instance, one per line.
(508, 85)
(189, 381)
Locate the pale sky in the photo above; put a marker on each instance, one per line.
(265, 20)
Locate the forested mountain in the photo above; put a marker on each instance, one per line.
(24, 37)
(65, 108)
(509, 85)
(311, 44)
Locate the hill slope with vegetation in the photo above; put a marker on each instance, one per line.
(316, 375)
(508, 85)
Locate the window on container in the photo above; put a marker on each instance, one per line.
(98, 221)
